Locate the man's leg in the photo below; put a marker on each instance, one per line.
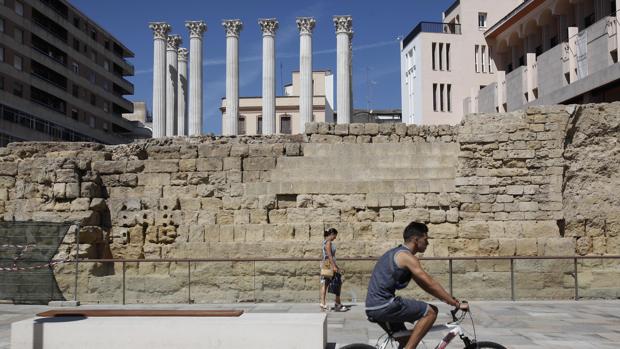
(421, 327)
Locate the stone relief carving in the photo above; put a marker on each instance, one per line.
(232, 26)
(196, 28)
(268, 26)
(160, 29)
(343, 24)
(306, 25)
(173, 42)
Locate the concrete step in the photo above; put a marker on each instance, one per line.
(361, 173)
(360, 160)
(323, 149)
(350, 187)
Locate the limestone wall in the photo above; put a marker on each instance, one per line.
(534, 183)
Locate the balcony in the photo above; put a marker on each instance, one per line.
(432, 27)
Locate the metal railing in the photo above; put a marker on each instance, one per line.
(449, 260)
(432, 27)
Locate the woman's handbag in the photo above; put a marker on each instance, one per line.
(326, 269)
(336, 284)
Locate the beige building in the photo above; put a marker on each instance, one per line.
(287, 106)
(552, 52)
(442, 63)
(62, 77)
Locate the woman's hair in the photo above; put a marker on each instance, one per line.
(329, 232)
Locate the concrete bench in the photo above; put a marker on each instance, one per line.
(154, 329)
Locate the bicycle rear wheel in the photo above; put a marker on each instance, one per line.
(483, 345)
(358, 346)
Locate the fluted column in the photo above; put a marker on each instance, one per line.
(233, 28)
(196, 31)
(172, 82)
(305, 26)
(160, 33)
(182, 94)
(343, 26)
(269, 27)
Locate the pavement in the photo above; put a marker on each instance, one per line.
(516, 325)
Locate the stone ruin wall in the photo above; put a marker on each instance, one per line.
(535, 183)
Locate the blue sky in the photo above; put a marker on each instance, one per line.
(376, 60)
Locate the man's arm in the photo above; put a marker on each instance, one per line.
(424, 280)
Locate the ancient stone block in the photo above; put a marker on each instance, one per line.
(341, 129)
(214, 150)
(474, 230)
(259, 163)
(527, 247)
(161, 166)
(442, 231)
(557, 246)
(277, 216)
(540, 229)
(154, 179)
(209, 164)
(371, 129)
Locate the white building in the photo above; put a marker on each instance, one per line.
(442, 63)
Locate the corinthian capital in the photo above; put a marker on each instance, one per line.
(196, 28)
(343, 24)
(160, 29)
(173, 42)
(232, 26)
(305, 25)
(183, 54)
(268, 26)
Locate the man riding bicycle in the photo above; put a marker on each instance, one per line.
(392, 272)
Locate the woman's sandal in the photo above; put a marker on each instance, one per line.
(340, 307)
(324, 307)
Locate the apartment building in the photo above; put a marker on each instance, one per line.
(62, 77)
(250, 120)
(553, 52)
(444, 62)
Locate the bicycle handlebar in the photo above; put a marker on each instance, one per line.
(454, 311)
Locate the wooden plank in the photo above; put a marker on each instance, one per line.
(140, 312)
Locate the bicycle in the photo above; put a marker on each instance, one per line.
(390, 338)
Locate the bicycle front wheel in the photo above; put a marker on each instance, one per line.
(358, 346)
(483, 345)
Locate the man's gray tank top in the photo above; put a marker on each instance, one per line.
(386, 278)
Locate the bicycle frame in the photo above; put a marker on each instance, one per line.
(455, 330)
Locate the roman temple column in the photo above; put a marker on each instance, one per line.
(160, 33)
(172, 82)
(269, 27)
(343, 26)
(305, 26)
(182, 92)
(196, 31)
(233, 28)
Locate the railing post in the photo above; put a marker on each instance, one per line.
(124, 268)
(77, 261)
(189, 282)
(576, 280)
(512, 279)
(450, 276)
(254, 281)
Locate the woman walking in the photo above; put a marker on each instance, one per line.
(329, 262)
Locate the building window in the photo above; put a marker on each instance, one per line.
(476, 54)
(76, 22)
(1, 82)
(241, 125)
(434, 97)
(75, 67)
(433, 52)
(106, 85)
(285, 124)
(482, 19)
(19, 36)
(93, 34)
(93, 99)
(490, 60)
(75, 90)
(91, 121)
(1, 54)
(259, 125)
(441, 91)
(18, 89)
(18, 62)
(106, 107)
(1, 25)
(76, 45)
(19, 8)
(106, 65)
(441, 56)
(447, 56)
(483, 58)
(449, 97)
(74, 114)
(105, 126)
(92, 77)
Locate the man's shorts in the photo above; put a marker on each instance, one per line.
(398, 312)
